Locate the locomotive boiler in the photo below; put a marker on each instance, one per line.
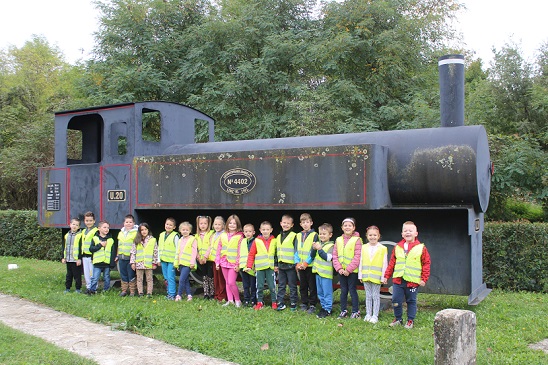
(437, 177)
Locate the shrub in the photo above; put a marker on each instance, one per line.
(21, 236)
(515, 256)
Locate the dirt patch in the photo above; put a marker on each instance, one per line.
(91, 340)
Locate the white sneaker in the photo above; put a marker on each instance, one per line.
(374, 319)
(228, 303)
(189, 298)
(367, 318)
(238, 304)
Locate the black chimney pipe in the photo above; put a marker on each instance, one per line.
(451, 71)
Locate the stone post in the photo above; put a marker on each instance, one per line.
(455, 337)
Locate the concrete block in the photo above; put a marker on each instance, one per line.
(455, 337)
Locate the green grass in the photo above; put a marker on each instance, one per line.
(506, 324)
(20, 348)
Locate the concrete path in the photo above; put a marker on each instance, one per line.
(94, 341)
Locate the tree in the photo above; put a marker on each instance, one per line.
(35, 82)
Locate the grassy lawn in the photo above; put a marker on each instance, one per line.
(20, 348)
(506, 324)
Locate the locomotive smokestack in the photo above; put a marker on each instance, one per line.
(451, 70)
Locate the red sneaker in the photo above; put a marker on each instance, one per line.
(258, 306)
(274, 305)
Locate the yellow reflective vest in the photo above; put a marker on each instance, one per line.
(371, 267)
(87, 239)
(204, 243)
(214, 244)
(264, 259)
(105, 253)
(184, 253)
(323, 267)
(230, 247)
(286, 249)
(244, 253)
(76, 247)
(346, 253)
(145, 254)
(409, 268)
(166, 247)
(304, 248)
(125, 241)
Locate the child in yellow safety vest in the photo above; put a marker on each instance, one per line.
(72, 256)
(249, 282)
(185, 261)
(304, 258)
(144, 258)
(373, 265)
(219, 284)
(409, 267)
(228, 258)
(346, 260)
(88, 233)
(203, 237)
(104, 251)
(323, 268)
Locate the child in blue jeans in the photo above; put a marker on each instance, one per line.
(185, 261)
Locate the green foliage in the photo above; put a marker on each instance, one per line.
(520, 171)
(520, 210)
(515, 256)
(35, 81)
(21, 236)
(509, 323)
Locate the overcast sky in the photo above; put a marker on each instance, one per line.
(70, 24)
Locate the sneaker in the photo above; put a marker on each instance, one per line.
(170, 297)
(395, 323)
(188, 298)
(293, 307)
(178, 298)
(227, 303)
(374, 319)
(238, 304)
(367, 318)
(409, 324)
(343, 314)
(258, 306)
(275, 306)
(78, 291)
(322, 313)
(281, 306)
(66, 291)
(149, 296)
(304, 307)
(122, 294)
(141, 295)
(355, 315)
(311, 310)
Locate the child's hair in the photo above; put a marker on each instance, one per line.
(198, 222)
(305, 216)
(328, 227)
(139, 237)
(287, 216)
(409, 223)
(238, 222)
(266, 223)
(374, 228)
(249, 225)
(89, 214)
(75, 219)
(129, 216)
(185, 224)
(102, 222)
(172, 220)
(349, 219)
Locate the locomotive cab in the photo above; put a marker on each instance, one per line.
(94, 152)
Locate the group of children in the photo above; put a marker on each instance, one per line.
(223, 250)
